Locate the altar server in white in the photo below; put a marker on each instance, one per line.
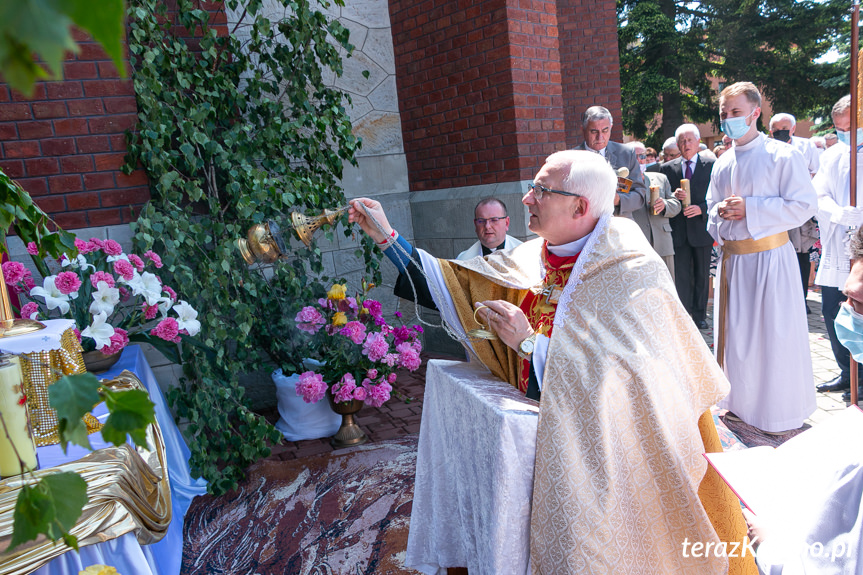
(758, 191)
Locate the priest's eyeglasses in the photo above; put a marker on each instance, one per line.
(539, 190)
(492, 221)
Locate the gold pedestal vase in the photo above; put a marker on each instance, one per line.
(349, 433)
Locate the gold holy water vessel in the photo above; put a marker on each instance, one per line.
(264, 242)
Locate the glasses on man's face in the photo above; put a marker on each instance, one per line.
(492, 221)
(539, 190)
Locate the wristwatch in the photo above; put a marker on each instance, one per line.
(526, 347)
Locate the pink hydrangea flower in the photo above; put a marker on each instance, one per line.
(373, 306)
(29, 310)
(309, 319)
(150, 311)
(171, 293)
(100, 276)
(375, 346)
(137, 262)
(119, 340)
(124, 269)
(153, 257)
(360, 393)
(167, 329)
(67, 282)
(355, 331)
(14, 272)
(377, 395)
(345, 389)
(409, 357)
(112, 248)
(32, 249)
(311, 387)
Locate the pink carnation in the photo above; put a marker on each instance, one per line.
(373, 306)
(118, 341)
(311, 387)
(29, 309)
(153, 257)
(309, 319)
(124, 269)
(376, 346)
(32, 249)
(124, 294)
(67, 282)
(29, 283)
(137, 262)
(97, 277)
(85, 247)
(372, 374)
(77, 333)
(97, 242)
(150, 311)
(171, 293)
(112, 248)
(355, 331)
(14, 272)
(167, 329)
(345, 389)
(409, 357)
(391, 378)
(360, 393)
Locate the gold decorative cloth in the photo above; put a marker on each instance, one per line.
(627, 382)
(41, 369)
(127, 491)
(735, 248)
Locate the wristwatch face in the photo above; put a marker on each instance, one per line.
(527, 346)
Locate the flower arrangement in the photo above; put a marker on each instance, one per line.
(359, 350)
(111, 294)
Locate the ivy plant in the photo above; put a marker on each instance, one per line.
(234, 130)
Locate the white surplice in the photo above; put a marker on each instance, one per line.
(767, 358)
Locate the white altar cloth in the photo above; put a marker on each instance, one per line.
(474, 478)
(124, 552)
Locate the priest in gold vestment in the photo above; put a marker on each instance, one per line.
(590, 324)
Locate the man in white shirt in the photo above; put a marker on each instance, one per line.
(492, 222)
(836, 219)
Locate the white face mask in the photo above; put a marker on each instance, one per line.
(643, 167)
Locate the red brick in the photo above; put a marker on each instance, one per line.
(79, 70)
(99, 181)
(118, 142)
(34, 186)
(65, 183)
(102, 88)
(20, 149)
(106, 162)
(91, 144)
(136, 178)
(121, 105)
(127, 197)
(110, 217)
(35, 130)
(91, 51)
(84, 201)
(4, 94)
(86, 107)
(42, 167)
(80, 36)
(14, 112)
(12, 168)
(76, 164)
(72, 220)
(112, 124)
(38, 94)
(51, 204)
(108, 70)
(63, 90)
(49, 110)
(8, 132)
(131, 213)
(58, 146)
(70, 127)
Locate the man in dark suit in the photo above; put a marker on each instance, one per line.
(596, 125)
(692, 243)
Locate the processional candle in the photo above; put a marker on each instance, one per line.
(654, 195)
(684, 185)
(15, 428)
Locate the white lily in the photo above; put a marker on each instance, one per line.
(105, 298)
(187, 318)
(80, 262)
(99, 330)
(147, 285)
(115, 258)
(54, 298)
(165, 304)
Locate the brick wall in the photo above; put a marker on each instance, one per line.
(590, 63)
(479, 89)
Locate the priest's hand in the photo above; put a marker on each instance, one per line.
(732, 208)
(357, 215)
(506, 320)
(692, 211)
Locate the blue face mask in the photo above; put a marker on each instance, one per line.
(735, 128)
(845, 137)
(849, 331)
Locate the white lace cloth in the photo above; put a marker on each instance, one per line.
(47, 339)
(474, 478)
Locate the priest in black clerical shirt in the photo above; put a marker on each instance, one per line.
(492, 223)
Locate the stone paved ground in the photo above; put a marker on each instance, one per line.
(396, 418)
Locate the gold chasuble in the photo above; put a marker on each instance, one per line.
(620, 483)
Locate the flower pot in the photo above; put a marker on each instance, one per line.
(300, 420)
(349, 433)
(96, 362)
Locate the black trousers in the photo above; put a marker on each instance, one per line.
(805, 265)
(692, 278)
(831, 299)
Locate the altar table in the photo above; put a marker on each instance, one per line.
(474, 478)
(124, 552)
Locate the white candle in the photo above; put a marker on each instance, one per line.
(14, 411)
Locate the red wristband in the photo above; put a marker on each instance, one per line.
(389, 239)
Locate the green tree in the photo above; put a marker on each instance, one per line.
(670, 48)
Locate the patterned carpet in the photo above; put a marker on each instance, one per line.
(341, 513)
(749, 436)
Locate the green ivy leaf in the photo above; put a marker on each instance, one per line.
(50, 507)
(73, 396)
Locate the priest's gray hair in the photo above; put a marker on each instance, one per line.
(670, 143)
(856, 247)
(589, 176)
(783, 116)
(686, 129)
(843, 104)
(596, 113)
